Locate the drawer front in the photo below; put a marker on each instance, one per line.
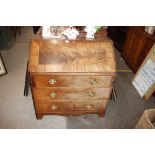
(41, 81)
(71, 94)
(70, 106)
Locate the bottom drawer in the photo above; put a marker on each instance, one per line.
(70, 106)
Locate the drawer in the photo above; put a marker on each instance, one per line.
(70, 106)
(71, 93)
(41, 81)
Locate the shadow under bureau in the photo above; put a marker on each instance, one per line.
(71, 77)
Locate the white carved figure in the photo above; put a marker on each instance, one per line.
(71, 33)
(46, 33)
(150, 29)
(90, 31)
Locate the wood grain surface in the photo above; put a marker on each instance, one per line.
(71, 78)
(71, 93)
(71, 113)
(71, 81)
(72, 56)
(70, 106)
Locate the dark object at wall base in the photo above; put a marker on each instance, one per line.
(15, 30)
(35, 29)
(26, 87)
(6, 38)
(118, 35)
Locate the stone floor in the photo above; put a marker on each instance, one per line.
(16, 111)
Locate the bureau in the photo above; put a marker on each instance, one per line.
(71, 77)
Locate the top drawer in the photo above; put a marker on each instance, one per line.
(40, 81)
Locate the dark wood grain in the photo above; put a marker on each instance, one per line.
(138, 43)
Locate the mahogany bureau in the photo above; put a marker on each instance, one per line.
(71, 77)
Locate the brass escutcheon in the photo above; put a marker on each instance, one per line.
(93, 82)
(54, 107)
(91, 94)
(52, 81)
(89, 106)
(53, 95)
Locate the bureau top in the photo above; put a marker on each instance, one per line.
(73, 56)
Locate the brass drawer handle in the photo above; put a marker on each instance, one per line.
(54, 107)
(53, 94)
(93, 82)
(91, 94)
(89, 106)
(52, 81)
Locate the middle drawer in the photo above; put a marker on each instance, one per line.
(71, 93)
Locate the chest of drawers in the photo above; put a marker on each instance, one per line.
(71, 77)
